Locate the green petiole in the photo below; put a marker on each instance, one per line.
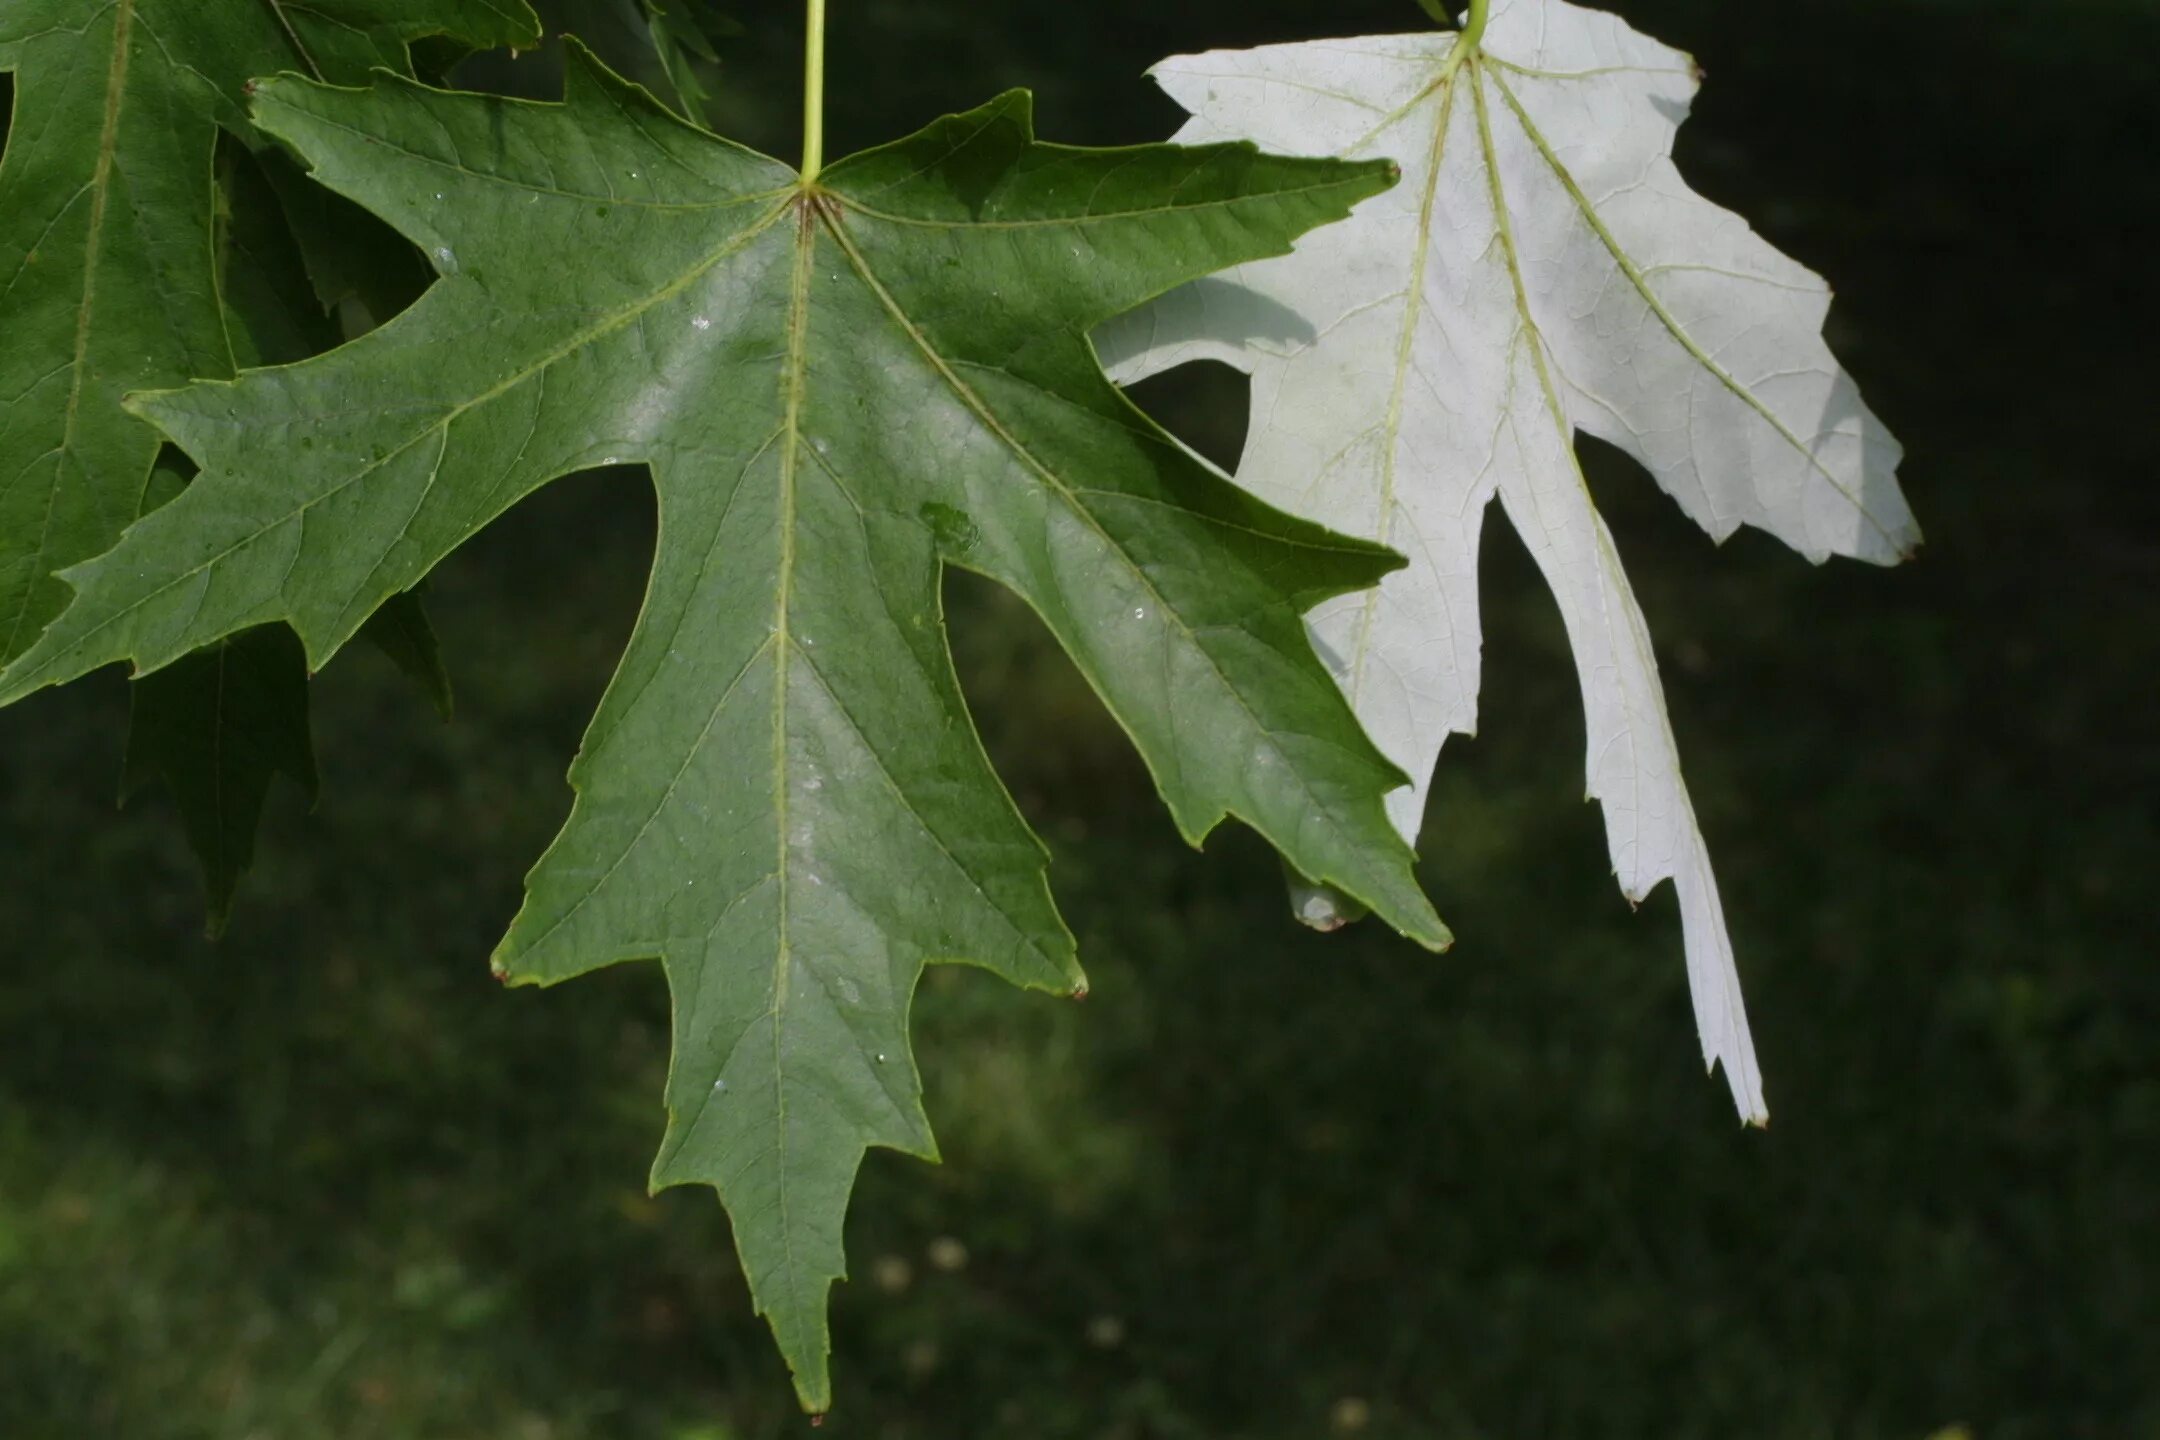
(813, 144)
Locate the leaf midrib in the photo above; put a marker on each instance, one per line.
(794, 382)
(116, 75)
(1729, 996)
(1528, 331)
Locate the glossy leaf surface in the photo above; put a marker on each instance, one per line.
(840, 389)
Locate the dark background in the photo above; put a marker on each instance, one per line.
(325, 1179)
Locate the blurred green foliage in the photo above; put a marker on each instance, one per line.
(324, 1179)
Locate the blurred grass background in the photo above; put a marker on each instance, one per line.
(325, 1179)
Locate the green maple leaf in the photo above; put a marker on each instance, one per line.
(840, 386)
(109, 284)
(280, 291)
(106, 215)
(217, 726)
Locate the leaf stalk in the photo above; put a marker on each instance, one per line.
(1473, 25)
(1473, 29)
(813, 144)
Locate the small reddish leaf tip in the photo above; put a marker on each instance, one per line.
(501, 973)
(1081, 993)
(817, 1421)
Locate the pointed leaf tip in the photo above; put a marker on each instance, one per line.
(782, 796)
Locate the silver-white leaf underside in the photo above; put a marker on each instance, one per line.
(1542, 270)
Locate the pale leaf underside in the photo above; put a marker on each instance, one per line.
(1542, 270)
